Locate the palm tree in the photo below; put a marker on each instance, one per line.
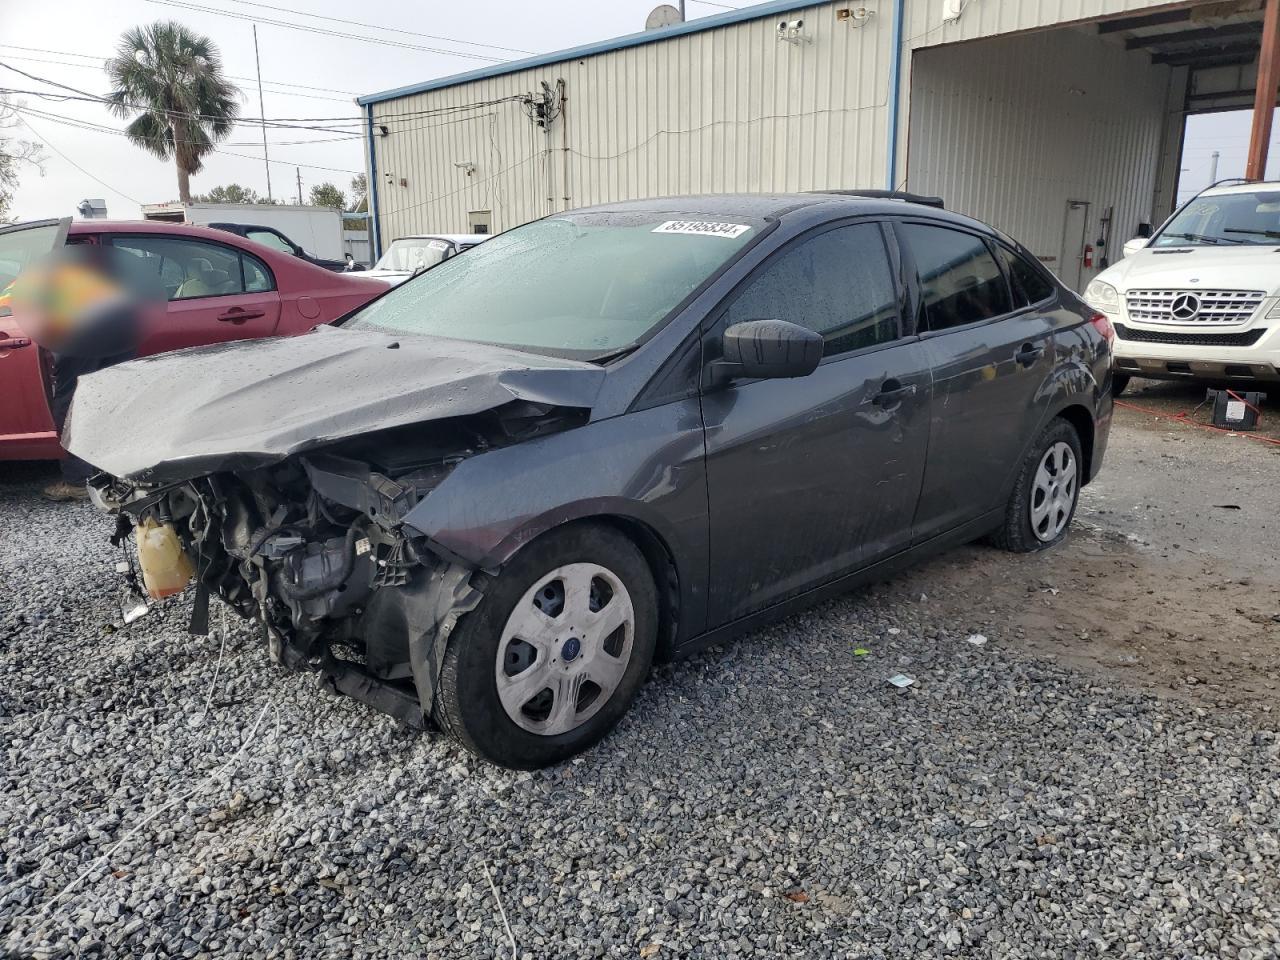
(169, 80)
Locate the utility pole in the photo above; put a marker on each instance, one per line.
(1213, 167)
(299, 169)
(262, 113)
(1264, 100)
(682, 11)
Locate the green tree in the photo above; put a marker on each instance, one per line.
(327, 195)
(359, 188)
(169, 80)
(231, 193)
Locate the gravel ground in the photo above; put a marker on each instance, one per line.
(773, 798)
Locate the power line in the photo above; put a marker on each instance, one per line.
(104, 128)
(100, 60)
(198, 8)
(296, 123)
(375, 26)
(278, 93)
(45, 141)
(228, 153)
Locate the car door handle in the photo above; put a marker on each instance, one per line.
(239, 315)
(891, 391)
(13, 343)
(1029, 354)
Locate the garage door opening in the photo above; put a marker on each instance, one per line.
(1216, 146)
(1072, 139)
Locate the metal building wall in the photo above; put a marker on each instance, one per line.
(1012, 128)
(721, 110)
(724, 109)
(927, 24)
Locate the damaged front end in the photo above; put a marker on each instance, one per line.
(314, 547)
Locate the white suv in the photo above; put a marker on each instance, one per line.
(1201, 298)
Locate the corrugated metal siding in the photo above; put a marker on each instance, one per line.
(989, 18)
(1089, 121)
(722, 110)
(725, 109)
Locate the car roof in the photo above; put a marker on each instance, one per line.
(1251, 187)
(774, 205)
(451, 237)
(144, 226)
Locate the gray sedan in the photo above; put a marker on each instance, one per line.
(489, 499)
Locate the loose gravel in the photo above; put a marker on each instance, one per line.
(773, 798)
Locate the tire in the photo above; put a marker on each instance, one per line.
(1018, 533)
(522, 599)
(1119, 383)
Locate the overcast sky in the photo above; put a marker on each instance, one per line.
(77, 35)
(67, 40)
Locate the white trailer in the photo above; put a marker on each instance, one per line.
(318, 230)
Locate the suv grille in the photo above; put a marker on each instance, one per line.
(1246, 339)
(1193, 307)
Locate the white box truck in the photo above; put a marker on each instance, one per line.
(312, 233)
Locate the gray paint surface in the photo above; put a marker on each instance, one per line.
(756, 491)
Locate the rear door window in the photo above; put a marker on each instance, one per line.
(838, 284)
(1030, 285)
(189, 269)
(271, 239)
(960, 281)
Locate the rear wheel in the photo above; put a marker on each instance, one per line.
(556, 651)
(1046, 492)
(1119, 382)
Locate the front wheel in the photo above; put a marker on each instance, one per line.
(556, 651)
(1119, 382)
(1046, 492)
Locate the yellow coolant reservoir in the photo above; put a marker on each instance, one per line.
(166, 569)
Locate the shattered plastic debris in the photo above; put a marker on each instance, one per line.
(894, 631)
(901, 680)
(976, 639)
(133, 609)
(861, 652)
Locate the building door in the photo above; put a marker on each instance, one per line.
(1074, 229)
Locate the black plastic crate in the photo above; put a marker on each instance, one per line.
(1235, 410)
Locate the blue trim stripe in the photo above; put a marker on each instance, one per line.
(895, 93)
(375, 233)
(757, 12)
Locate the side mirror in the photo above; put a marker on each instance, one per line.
(1134, 245)
(771, 349)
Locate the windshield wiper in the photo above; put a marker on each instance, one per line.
(1274, 234)
(1201, 238)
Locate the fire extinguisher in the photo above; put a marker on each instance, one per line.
(1088, 256)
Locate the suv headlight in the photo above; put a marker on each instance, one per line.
(1103, 296)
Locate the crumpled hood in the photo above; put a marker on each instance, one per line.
(1251, 267)
(236, 405)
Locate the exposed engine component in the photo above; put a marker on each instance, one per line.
(314, 548)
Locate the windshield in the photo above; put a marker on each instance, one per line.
(579, 285)
(1227, 219)
(410, 254)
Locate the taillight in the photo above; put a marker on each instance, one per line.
(1102, 323)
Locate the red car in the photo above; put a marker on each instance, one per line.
(219, 286)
